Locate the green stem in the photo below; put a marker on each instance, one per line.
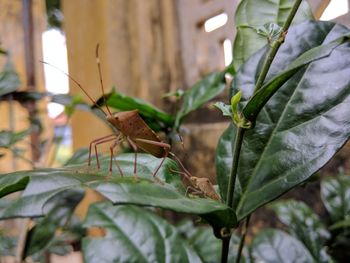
(229, 200)
(241, 243)
(240, 131)
(236, 150)
(276, 45)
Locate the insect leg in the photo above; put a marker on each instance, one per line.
(134, 146)
(187, 176)
(96, 141)
(166, 147)
(115, 144)
(195, 191)
(101, 141)
(180, 163)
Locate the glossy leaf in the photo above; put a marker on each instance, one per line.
(9, 80)
(203, 91)
(305, 225)
(133, 235)
(299, 129)
(43, 234)
(223, 161)
(151, 114)
(166, 192)
(209, 248)
(154, 117)
(335, 194)
(261, 97)
(14, 183)
(251, 14)
(271, 31)
(275, 246)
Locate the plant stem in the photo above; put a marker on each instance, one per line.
(276, 45)
(241, 243)
(236, 149)
(229, 199)
(225, 249)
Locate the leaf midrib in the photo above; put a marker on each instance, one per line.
(274, 131)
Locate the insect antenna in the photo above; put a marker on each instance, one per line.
(100, 75)
(77, 83)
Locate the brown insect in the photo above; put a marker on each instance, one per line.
(127, 125)
(200, 185)
(204, 186)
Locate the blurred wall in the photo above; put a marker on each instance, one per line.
(148, 48)
(12, 115)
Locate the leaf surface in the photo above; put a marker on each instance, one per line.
(251, 15)
(275, 246)
(151, 114)
(203, 91)
(165, 192)
(299, 129)
(335, 193)
(134, 235)
(9, 80)
(42, 236)
(305, 225)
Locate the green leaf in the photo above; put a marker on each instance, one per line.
(335, 194)
(230, 69)
(299, 129)
(252, 14)
(80, 156)
(261, 97)
(223, 161)
(166, 192)
(209, 248)
(43, 234)
(9, 80)
(122, 102)
(305, 225)
(133, 235)
(14, 183)
(270, 30)
(225, 109)
(203, 91)
(275, 246)
(177, 94)
(341, 224)
(9, 138)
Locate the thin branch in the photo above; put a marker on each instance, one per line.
(241, 243)
(240, 131)
(235, 159)
(276, 45)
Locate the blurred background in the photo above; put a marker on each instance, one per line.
(147, 49)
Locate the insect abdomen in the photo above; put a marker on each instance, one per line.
(133, 126)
